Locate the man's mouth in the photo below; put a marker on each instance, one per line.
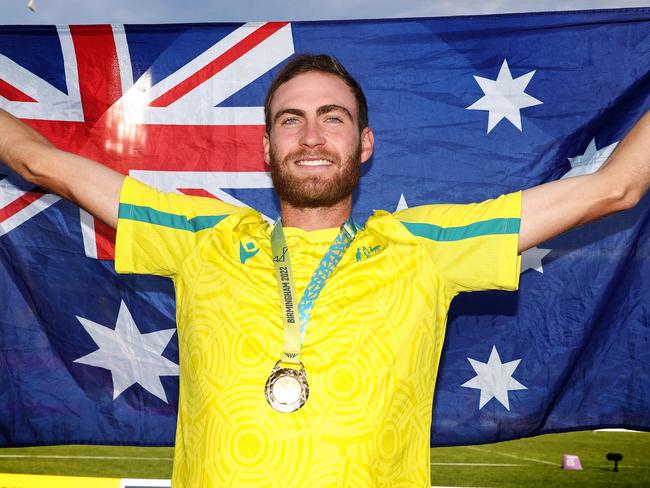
(314, 162)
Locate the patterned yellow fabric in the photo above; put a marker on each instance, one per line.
(371, 350)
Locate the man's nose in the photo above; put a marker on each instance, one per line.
(312, 135)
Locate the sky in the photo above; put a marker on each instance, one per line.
(172, 11)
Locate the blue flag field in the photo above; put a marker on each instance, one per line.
(463, 109)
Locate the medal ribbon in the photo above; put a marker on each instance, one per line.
(295, 324)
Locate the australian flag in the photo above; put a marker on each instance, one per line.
(463, 109)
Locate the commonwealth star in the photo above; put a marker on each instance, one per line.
(130, 356)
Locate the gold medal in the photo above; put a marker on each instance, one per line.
(287, 389)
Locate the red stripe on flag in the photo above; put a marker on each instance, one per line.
(104, 240)
(164, 147)
(18, 204)
(13, 94)
(100, 84)
(191, 148)
(211, 69)
(196, 192)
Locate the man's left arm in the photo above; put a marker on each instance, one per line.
(553, 208)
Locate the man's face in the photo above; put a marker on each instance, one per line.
(314, 147)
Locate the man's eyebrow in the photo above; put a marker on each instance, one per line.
(333, 108)
(322, 110)
(292, 111)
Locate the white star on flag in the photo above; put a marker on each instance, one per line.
(504, 97)
(401, 205)
(130, 356)
(532, 259)
(590, 160)
(494, 379)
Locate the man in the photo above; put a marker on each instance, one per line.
(336, 391)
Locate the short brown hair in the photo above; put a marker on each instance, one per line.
(304, 63)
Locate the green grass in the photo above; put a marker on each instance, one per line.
(90, 461)
(534, 462)
(539, 461)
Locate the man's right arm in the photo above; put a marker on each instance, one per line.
(89, 184)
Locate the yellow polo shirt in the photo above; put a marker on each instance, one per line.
(371, 350)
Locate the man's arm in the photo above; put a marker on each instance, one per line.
(89, 184)
(553, 208)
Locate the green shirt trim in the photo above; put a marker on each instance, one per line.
(476, 229)
(150, 215)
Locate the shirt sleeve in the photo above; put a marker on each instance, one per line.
(473, 246)
(156, 231)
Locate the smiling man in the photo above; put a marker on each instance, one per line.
(309, 349)
(317, 136)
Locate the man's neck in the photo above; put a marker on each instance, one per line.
(316, 218)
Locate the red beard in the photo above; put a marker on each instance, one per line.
(315, 191)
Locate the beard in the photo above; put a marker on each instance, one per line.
(315, 191)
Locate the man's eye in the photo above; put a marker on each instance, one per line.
(333, 120)
(290, 121)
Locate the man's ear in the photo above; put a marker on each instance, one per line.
(367, 144)
(267, 148)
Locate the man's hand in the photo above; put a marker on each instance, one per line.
(553, 208)
(89, 184)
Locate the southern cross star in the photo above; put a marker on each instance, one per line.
(494, 379)
(130, 356)
(532, 259)
(401, 205)
(590, 160)
(504, 97)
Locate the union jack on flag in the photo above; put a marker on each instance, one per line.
(463, 109)
(154, 127)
